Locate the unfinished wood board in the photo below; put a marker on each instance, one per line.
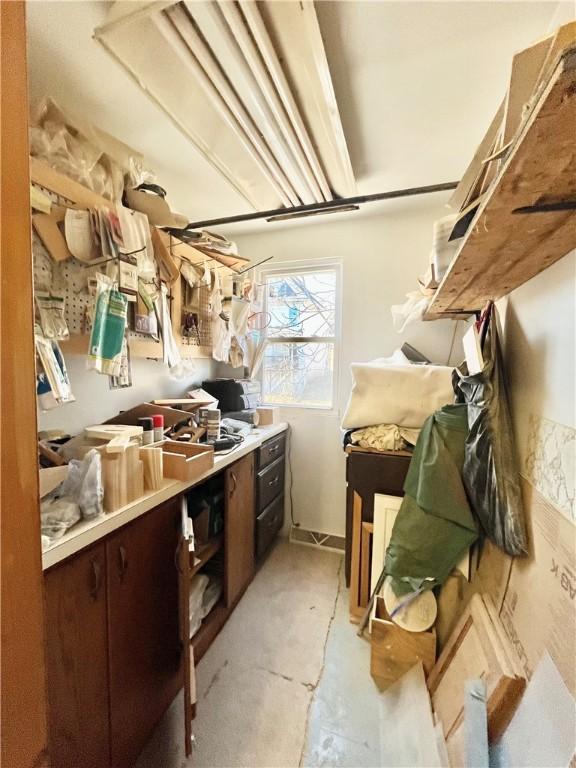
(47, 229)
(77, 344)
(131, 415)
(475, 650)
(490, 578)
(50, 478)
(502, 250)
(23, 668)
(186, 402)
(469, 180)
(169, 269)
(407, 735)
(366, 544)
(54, 181)
(199, 257)
(539, 612)
(355, 608)
(394, 650)
(186, 461)
(526, 68)
(564, 38)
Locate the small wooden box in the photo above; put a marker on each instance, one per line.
(394, 650)
(186, 461)
(268, 415)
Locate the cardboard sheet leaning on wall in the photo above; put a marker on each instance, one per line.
(434, 526)
(491, 477)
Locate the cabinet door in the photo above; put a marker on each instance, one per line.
(145, 654)
(77, 661)
(239, 527)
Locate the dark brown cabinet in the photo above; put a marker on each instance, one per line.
(114, 651)
(367, 473)
(77, 661)
(145, 653)
(270, 493)
(239, 528)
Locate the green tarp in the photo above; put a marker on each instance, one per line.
(435, 526)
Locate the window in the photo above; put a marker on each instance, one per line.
(301, 311)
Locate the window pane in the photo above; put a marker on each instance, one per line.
(298, 374)
(302, 305)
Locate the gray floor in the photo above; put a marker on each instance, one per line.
(286, 683)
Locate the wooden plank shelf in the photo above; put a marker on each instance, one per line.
(206, 553)
(502, 249)
(77, 344)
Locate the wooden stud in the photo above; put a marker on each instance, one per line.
(355, 608)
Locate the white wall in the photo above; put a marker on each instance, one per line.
(96, 402)
(381, 258)
(539, 321)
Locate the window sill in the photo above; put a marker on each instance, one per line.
(327, 410)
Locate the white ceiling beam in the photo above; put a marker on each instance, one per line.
(177, 28)
(224, 48)
(156, 97)
(264, 86)
(293, 28)
(266, 48)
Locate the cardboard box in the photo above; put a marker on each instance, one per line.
(539, 610)
(268, 415)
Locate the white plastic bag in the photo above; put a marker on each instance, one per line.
(83, 485)
(413, 309)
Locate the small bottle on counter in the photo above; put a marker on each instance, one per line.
(147, 425)
(158, 421)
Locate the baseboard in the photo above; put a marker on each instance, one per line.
(317, 539)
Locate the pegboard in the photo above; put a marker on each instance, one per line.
(204, 321)
(71, 279)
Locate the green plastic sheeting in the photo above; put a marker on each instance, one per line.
(434, 526)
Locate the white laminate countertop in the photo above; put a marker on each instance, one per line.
(87, 532)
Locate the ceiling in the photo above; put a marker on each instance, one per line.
(416, 83)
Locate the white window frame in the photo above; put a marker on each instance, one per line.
(299, 268)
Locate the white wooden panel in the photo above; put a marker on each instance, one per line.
(385, 511)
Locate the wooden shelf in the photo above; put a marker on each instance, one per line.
(502, 249)
(77, 344)
(206, 553)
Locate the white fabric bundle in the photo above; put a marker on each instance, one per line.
(396, 394)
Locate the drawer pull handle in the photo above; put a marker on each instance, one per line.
(96, 579)
(274, 449)
(234, 482)
(122, 562)
(274, 481)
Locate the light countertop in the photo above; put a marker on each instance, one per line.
(87, 532)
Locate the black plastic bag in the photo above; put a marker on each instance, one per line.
(490, 472)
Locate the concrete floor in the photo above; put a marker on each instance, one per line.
(286, 683)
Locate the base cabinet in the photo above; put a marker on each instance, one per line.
(114, 655)
(145, 653)
(239, 528)
(77, 661)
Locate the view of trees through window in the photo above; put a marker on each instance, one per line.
(300, 337)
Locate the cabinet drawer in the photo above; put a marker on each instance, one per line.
(268, 523)
(270, 483)
(271, 450)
